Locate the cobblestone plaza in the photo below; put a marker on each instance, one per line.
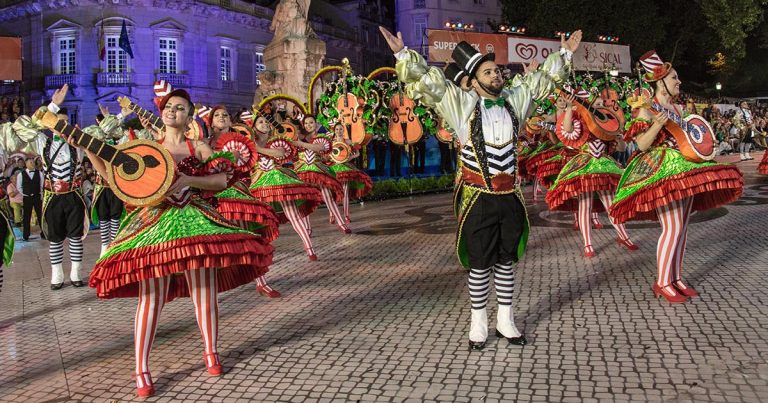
(383, 315)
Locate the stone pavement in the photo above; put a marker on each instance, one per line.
(384, 315)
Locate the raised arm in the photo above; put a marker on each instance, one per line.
(428, 84)
(542, 82)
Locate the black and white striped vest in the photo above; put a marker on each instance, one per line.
(490, 168)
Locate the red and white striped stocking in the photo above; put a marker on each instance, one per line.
(152, 295)
(294, 217)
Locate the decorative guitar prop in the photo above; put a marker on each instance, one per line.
(693, 134)
(537, 124)
(604, 122)
(284, 129)
(194, 131)
(139, 172)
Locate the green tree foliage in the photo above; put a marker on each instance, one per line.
(687, 33)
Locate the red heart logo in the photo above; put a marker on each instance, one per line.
(527, 52)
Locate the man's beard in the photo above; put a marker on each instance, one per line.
(491, 89)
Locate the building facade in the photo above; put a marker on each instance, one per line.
(414, 17)
(212, 48)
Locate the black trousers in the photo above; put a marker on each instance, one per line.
(64, 217)
(31, 203)
(420, 149)
(108, 206)
(379, 156)
(395, 156)
(447, 158)
(493, 230)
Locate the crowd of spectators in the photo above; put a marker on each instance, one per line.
(10, 108)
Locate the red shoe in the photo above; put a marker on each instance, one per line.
(268, 291)
(597, 224)
(348, 219)
(331, 220)
(345, 229)
(214, 369)
(627, 243)
(670, 293)
(148, 389)
(311, 254)
(684, 289)
(588, 251)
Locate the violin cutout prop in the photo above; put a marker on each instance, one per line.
(139, 172)
(404, 125)
(350, 110)
(604, 122)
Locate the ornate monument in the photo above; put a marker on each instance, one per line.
(294, 54)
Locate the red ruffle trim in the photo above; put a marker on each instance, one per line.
(568, 191)
(533, 163)
(290, 193)
(240, 258)
(710, 187)
(356, 176)
(763, 167)
(323, 180)
(252, 211)
(547, 172)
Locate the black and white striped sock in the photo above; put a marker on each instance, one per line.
(104, 232)
(56, 252)
(504, 280)
(478, 282)
(76, 249)
(114, 225)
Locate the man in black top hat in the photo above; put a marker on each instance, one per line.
(493, 225)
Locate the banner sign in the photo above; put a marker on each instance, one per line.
(592, 56)
(442, 42)
(10, 58)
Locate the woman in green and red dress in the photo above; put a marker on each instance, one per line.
(290, 197)
(236, 203)
(590, 172)
(181, 247)
(659, 183)
(355, 182)
(310, 169)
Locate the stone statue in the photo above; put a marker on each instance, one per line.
(291, 19)
(294, 54)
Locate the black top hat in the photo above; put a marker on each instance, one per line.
(454, 73)
(469, 59)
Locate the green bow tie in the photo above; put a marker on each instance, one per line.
(489, 103)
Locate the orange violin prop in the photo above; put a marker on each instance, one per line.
(404, 125)
(350, 111)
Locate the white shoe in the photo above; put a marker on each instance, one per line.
(103, 249)
(57, 274)
(505, 322)
(478, 328)
(74, 274)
